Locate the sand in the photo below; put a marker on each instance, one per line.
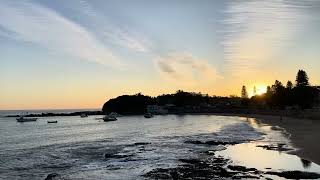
(305, 134)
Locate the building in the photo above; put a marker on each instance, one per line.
(155, 109)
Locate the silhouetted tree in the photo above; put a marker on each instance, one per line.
(278, 97)
(289, 85)
(254, 90)
(268, 97)
(302, 78)
(289, 98)
(244, 93)
(304, 95)
(244, 97)
(128, 104)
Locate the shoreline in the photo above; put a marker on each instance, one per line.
(304, 133)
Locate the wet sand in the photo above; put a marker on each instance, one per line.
(304, 134)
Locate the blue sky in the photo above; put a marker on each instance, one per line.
(79, 53)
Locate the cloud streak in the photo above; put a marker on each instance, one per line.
(40, 25)
(113, 33)
(186, 69)
(255, 31)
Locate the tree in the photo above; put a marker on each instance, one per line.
(289, 85)
(254, 91)
(302, 79)
(244, 93)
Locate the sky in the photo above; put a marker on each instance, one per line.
(80, 53)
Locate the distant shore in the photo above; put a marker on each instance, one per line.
(305, 114)
(51, 114)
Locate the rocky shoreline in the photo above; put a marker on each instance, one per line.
(207, 165)
(211, 166)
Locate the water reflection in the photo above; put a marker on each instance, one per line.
(250, 156)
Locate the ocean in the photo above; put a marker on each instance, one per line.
(89, 148)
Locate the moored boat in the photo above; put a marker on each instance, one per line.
(107, 118)
(148, 115)
(83, 115)
(52, 122)
(24, 119)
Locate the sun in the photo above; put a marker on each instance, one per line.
(260, 89)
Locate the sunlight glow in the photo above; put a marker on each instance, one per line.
(260, 89)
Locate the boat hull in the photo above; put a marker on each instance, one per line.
(49, 122)
(109, 119)
(27, 120)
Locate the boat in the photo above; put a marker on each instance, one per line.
(114, 114)
(148, 115)
(83, 115)
(107, 118)
(52, 122)
(24, 119)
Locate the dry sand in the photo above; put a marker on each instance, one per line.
(305, 134)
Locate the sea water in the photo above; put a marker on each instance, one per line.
(76, 147)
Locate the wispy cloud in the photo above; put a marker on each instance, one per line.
(37, 24)
(113, 32)
(186, 69)
(255, 31)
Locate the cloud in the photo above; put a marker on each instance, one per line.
(114, 33)
(186, 69)
(42, 26)
(255, 31)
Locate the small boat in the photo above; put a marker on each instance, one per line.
(107, 118)
(148, 115)
(24, 119)
(114, 114)
(52, 122)
(83, 115)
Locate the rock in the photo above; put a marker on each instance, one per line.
(116, 156)
(295, 174)
(276, 128)
(210, 152)
(141, 143)
(53, 176)
(190, 161)
(241, 168)
(245, 177)
(275, 147)
(193, 142)
(194, 169)
(213, 142)
(220, 143)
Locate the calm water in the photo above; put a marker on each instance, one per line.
(75, 147)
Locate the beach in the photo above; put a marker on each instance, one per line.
(304, 134)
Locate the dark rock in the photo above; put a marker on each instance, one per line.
(295, 174)
(190, 161)
(194, 142)
(141, 143)
(245, 177)
(241, 168)
(213, 142)
(53, 176)
(194, 169)
(210, 152)
(220, 143)
(275, 147)
(116, 156)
